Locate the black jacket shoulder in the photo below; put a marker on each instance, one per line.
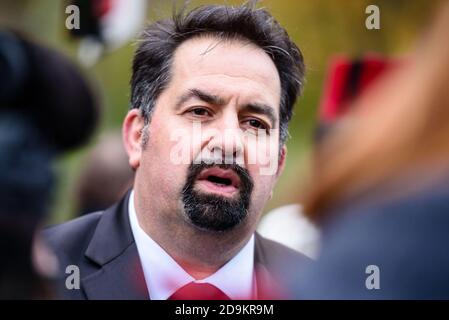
(74, 235)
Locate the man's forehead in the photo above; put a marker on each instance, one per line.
(209, 56)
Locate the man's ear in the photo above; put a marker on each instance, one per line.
(132, 136)
(281, 161)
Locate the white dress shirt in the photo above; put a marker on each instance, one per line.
(163, 275)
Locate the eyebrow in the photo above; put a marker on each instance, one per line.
(213, 99)
(201, 95)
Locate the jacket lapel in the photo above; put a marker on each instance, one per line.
(112, 248)
(276, 268)
(267, 286)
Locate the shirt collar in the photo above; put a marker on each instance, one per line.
(163, 275)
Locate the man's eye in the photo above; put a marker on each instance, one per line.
(201, 112)
(257, 124)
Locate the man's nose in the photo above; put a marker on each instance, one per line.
(227, 140)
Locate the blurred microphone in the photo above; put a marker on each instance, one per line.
(42, 85)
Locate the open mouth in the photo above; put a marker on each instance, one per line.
(218, 180)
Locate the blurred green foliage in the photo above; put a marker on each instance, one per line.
(321, 28)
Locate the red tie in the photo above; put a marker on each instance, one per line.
(199, 291)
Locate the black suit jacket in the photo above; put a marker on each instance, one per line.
(102, 246)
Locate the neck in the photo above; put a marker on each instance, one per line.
(198, 272)
(200, 253)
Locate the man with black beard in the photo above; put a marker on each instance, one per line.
(187, 228)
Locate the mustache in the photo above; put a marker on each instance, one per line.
(195, 169)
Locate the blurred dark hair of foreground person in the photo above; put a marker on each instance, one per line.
(380, 188)
(46, 108)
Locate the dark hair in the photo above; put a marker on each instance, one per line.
(158, 42)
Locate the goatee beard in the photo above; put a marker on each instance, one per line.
(213, 212)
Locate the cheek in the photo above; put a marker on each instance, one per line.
(161, 170)
(262, 154)
(166, 137)
(162, 178)
(263, 185)
(189, 141)
(185, 144)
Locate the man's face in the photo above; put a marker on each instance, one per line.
(211, 133)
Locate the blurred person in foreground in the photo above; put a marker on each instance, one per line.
(212, 92)
(347, 79)
(380, 188)
(46, 108)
